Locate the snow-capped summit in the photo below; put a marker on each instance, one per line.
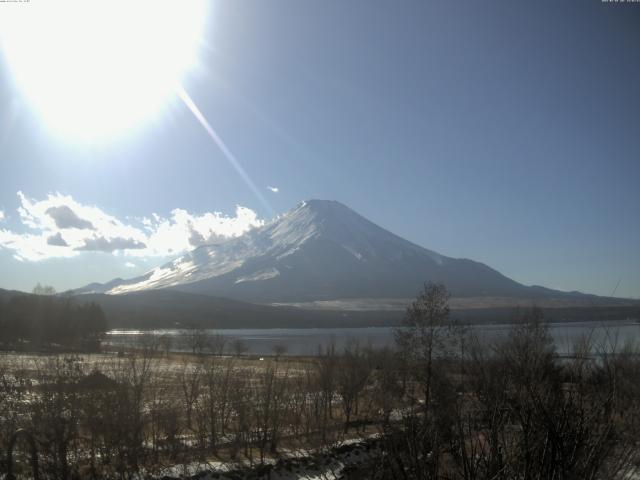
(336, 222)
(319, 250)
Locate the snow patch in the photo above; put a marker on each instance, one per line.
(265, 274)
(353, 252)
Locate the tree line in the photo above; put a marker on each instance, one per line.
(44, 320)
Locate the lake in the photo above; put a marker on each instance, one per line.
(307, 341)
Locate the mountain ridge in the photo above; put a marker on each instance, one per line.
(321, 250)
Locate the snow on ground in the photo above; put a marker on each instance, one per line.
(328, 466)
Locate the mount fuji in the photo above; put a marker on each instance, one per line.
(320, 251)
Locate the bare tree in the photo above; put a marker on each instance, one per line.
(55, 415)
(326, 382)
(423, 334)
(416, 443)
(134, 374)
(352, 376)
(240, 397)
(387, 384)
(165, 343)
(217, 383)
(217, 344)
(239, 347)
(190, 382)
(197, 340)
(279, 350)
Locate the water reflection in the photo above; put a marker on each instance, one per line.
(300, 341)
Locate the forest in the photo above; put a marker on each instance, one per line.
(47, 322)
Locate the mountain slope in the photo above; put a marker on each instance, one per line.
(320, 250)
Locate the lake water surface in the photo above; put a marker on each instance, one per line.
(307, 341)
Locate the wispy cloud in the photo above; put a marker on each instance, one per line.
(130, 265)
(59, 227)
(1, 216)
(273, 189)
(109, 245)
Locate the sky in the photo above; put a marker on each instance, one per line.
(505, 131)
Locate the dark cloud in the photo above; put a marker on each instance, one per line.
(57, 240)
(101, 244)
(195, 238)
(67, 218)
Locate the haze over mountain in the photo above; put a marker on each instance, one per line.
(319, 251)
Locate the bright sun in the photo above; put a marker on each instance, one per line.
(93, 69)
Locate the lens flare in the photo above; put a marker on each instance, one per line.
(231, 158)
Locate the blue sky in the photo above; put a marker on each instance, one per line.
(506, 132)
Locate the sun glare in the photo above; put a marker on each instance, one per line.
(93, 69)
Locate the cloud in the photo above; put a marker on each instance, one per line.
(130, 265)
(30, 247)
(57, 240)
(183, 231)
(1, 216)
(60, 227)
(273, 189)
(64, 217)
(102, 244)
